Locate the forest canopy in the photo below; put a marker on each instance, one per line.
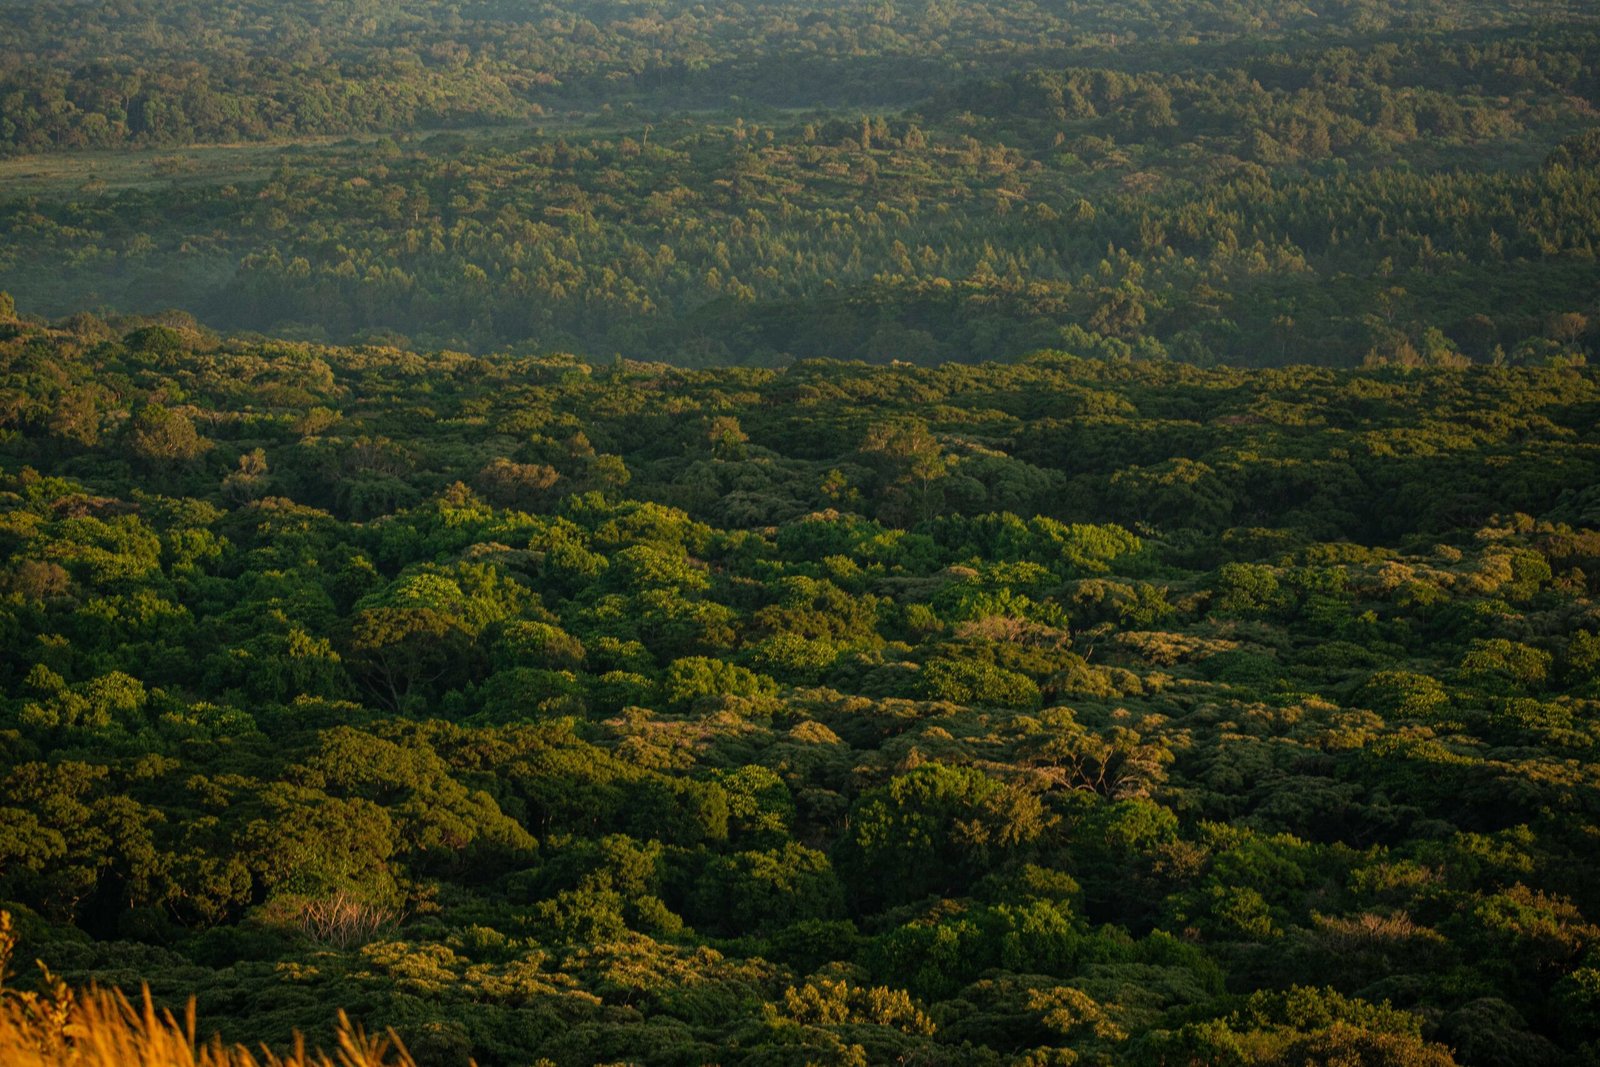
(1066, 709)
(944, 532)
(759, 185)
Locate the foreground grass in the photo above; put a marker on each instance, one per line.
(61, 1027)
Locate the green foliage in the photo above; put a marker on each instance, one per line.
(691, 770)
(701, 678)
(1501, 665)
(966, 682)
(1204, 181)
(1404, 693)
(760, 891)
(935, 830)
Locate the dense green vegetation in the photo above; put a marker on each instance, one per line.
(773, 533)
(1069, 710)
(1420, 189)
(163, 72)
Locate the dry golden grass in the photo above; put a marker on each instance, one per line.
(60, 1027)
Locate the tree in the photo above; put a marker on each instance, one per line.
(750, 892)
(164, 437)
(516, 485)
(250, 480)
(935, 830)
(694, 679)
(908, 462)
(419, 636)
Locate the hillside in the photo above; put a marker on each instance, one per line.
(1066, 710)
(1212, 183)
